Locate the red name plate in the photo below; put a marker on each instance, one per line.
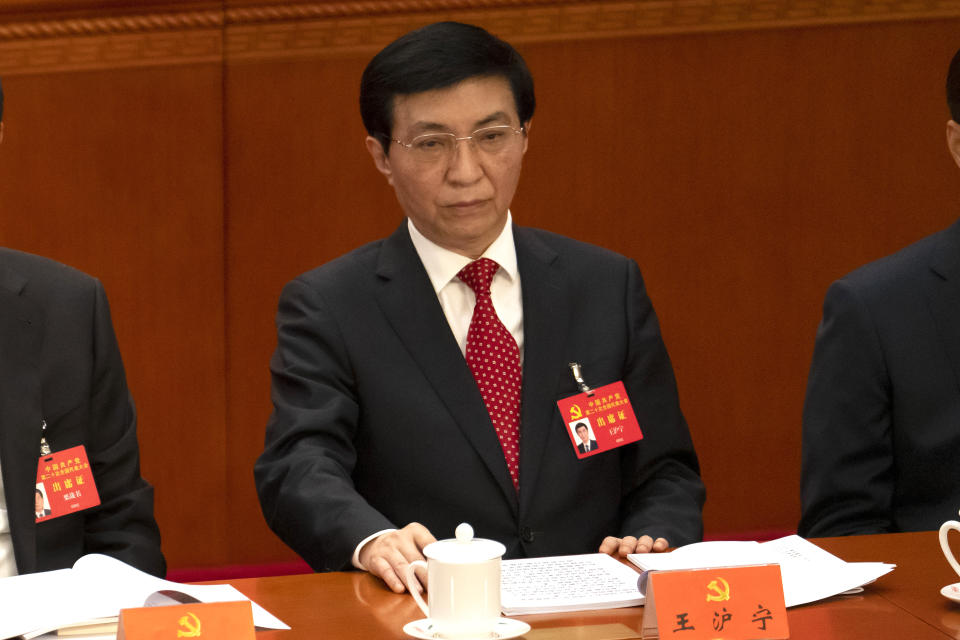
(724, 603)
(208, 621)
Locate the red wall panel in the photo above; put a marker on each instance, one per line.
(197, 166)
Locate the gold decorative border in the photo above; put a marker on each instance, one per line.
(73, 44)
(572, 21)
(336, 28)
(373, 8)
(132, 49)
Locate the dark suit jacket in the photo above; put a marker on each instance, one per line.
(59, 362)
(593, 446)
(378, 422)
(881, 424)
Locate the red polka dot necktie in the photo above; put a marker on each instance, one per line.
(494, 360)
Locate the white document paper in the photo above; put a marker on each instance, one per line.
(567, 583)
(809, 573)
(97, 586)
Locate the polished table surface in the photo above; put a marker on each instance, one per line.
(903, 604)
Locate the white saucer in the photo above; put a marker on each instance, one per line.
(505, 628)
(951, 591)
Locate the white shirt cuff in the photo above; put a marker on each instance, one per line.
(356, 552)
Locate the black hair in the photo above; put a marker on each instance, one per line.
(437, 56)
(953, 87)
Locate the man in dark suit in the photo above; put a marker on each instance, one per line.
(881, 423)
(586, 444)
(62, 380)
(386, 427)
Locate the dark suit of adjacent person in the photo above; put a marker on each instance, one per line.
(881, 424)
(59, 363)
(378, 421)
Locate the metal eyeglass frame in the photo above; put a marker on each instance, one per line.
(409, 145)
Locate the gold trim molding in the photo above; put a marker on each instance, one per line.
(291, 30)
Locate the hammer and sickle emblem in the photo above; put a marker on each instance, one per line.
(575, 412)
(190, 626)
(718, 590)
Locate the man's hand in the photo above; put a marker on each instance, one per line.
(623, 546)
(387, 557)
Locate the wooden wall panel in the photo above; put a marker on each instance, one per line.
(197, 155)
(118, 173)
(744, 172)
(298, 194)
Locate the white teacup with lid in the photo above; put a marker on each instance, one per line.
(463, 584)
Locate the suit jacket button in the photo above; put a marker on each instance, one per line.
(526, 534)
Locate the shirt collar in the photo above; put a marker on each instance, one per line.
(443, 265)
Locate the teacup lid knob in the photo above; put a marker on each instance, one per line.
(463, 548)
(463, 533)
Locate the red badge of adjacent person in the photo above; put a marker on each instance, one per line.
(64, 484)
(599, 419)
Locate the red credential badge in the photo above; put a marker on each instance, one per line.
(600, 420)
(64, 484)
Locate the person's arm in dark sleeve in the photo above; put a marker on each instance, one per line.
(303, 476)
(663, 494)
(847, 470)
(123, 525)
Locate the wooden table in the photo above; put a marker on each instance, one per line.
(915, 584)
(903, 604)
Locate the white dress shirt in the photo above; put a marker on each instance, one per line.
(457, 299)
(8, 563)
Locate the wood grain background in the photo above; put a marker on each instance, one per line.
(197, 155)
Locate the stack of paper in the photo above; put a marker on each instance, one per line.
(567, 583)
(96, 587)
(809, 573)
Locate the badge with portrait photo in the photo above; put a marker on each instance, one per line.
(600, 420)
(65, 484)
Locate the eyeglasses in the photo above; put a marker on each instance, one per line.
(433, 147)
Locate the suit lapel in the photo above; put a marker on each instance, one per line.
(545, 318)
(20, 334)
(943, 292)
(411, 307)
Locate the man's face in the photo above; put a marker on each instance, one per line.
(582, 434)
(459, 201)
(38, 502)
